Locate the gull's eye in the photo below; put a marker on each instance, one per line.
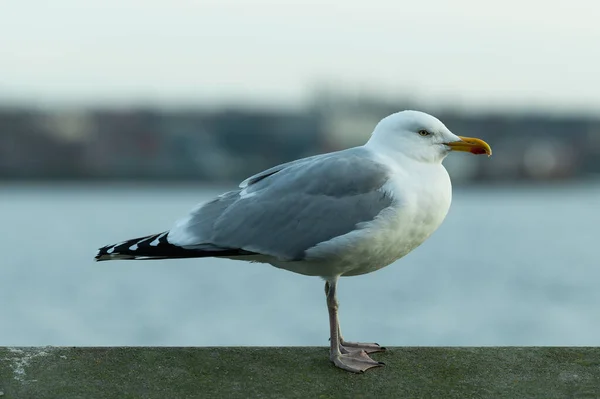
(424, 133)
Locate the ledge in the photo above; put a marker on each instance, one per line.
(297, 372)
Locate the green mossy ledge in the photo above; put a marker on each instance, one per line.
(297, 372)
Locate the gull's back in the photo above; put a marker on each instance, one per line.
(283, 212)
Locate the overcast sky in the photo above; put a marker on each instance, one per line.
(514, 53)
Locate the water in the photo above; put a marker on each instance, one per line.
(510, 266)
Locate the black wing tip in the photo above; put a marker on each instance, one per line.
(162, 249)
(103, 254)
(101, 257)
(123, 250)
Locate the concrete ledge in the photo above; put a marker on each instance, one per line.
(159, 372)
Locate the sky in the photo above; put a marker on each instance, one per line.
(462, 53)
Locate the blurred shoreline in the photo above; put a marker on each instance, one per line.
(227, 145)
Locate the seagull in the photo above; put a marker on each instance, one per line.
(343, 213)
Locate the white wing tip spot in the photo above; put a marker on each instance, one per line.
(157, 240)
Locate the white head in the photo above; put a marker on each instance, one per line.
(422, 137)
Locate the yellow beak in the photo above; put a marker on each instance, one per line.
(469, 144)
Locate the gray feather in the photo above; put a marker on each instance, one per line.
(266, 173)
(284, 212)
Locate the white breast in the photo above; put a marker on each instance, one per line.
(421, 201)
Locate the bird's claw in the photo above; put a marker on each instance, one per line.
(355, 362)
(347, 347)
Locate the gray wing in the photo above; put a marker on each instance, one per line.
(271, 171)
(291, 209)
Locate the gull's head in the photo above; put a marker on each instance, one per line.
(422, 137)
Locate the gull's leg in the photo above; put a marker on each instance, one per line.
(356, 361)
(347, 347)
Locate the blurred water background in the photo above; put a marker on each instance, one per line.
(108, 134)
(511, 266)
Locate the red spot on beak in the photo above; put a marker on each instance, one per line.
(478, 150)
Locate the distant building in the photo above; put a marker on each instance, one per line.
(231, 144)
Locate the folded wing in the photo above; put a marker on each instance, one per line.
(286, 210)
